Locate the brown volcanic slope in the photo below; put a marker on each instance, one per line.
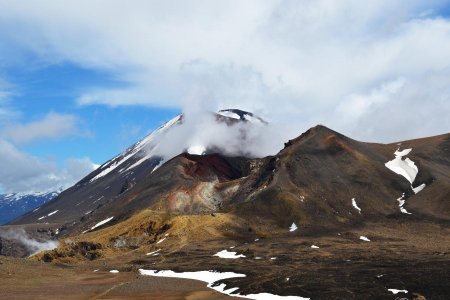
(205, 204)
(313, 180)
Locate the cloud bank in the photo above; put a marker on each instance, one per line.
(25, 173)
(21, 172)
(52, 126)
(374, 70)
(201, 130)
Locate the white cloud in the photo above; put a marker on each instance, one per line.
(298, 62)
(201, 129)
(6, 112)
(52, 126)
(405, 109)
(21, 172)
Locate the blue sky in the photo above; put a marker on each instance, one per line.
(102, 132)
(81, 81)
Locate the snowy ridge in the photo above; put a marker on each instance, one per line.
(145, 143)
(19, 196)
(15, 204)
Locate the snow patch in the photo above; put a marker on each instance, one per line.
(364, 238)
(161, 240)
(401, 201)
(228, 254)
(153, 252)
(293, 227)
(52, 213)
(157, 166)
(419, 188)
(395, 291)
(315, 247)
(114, 271)
(356, 205)
(210, 277)
(229, 114)
(404, 167)
(407, 169)
(101, 223)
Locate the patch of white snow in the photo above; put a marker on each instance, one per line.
(229, 114)
(395, 291)
(153, 252)
(293, 227)
(364, 238)
(52, 213)
(419, 188)
(356, 205)
(210, 277)
(101, 223)
(228, 254)
(403, 167)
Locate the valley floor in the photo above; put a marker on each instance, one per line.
(24, 279)
(400, 255)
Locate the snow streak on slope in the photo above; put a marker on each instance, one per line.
(101, 223)
(228, 254)
(355, 205)
(406, 168)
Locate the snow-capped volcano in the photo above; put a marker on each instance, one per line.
(230, 132)
(195, 135)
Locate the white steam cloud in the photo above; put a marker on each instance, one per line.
(201, 130)
(33, 246)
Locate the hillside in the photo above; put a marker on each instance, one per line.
(324, 215)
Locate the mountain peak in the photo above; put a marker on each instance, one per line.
(318, 131)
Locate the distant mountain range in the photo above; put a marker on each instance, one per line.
(17, 204)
